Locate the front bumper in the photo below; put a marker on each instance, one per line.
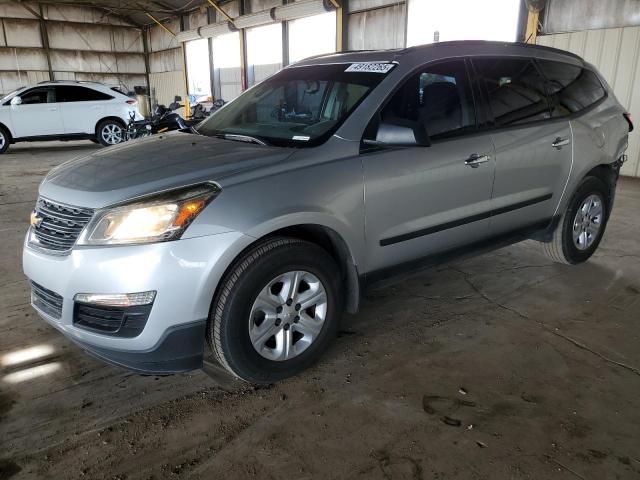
(179, 350)
(184, 273)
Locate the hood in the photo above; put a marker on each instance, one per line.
(153, 164)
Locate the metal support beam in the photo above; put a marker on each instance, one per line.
(340, 28)
(184, 71)
(147, 68)
(165, 28)
(244, 79)
(44, 36)
(285, 40)
(221, 11)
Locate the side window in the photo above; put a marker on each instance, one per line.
(570, 88)
(516, 90)
(438, 97)
(71, 93)
(35, 96)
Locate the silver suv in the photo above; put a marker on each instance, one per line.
(257, 230)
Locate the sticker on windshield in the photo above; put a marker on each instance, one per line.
(301, 138)
(370, 67)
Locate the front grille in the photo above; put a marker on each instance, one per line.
(125, 322)
(60, 225)
(46, 301)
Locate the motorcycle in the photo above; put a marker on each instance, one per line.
(199, 112)
(163, 120)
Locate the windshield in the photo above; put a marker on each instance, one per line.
(297, 107)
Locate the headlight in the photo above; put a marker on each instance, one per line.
(157, 218)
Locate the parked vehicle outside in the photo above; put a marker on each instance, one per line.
(65, 110)
(335, 175)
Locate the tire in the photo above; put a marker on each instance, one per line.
(240, 316)
(110, 132)
(564, 247)
(4, 140)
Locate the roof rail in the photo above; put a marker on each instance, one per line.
(493, 42)
(70, 81)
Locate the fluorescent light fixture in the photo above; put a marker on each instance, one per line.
(300, 9)
(254, 19)
(187, 35)
(215, 30)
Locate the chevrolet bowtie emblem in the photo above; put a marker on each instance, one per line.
(35, 220)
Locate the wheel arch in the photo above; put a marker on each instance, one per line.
(325, 237)
(8, 130)
(608, 173)
(109, 117)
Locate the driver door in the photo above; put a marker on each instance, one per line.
(37, 115)
(422, 201)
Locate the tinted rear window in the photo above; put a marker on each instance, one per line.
(570, 88)
(516, 90)
(70, 93)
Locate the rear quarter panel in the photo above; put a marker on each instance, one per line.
(600, 137)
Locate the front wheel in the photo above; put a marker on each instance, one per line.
(4, 140)
(110, 132)
(276, 310)
(582, 225)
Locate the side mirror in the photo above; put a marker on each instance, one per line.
(399, 132)
(16, 101)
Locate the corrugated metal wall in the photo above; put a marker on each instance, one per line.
(166, 77)
(376, 28)
(616, 53)
(166, 85)
(85, 44)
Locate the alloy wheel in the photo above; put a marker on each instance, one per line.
(288, 315)
(2, 140)
(112, 133)
(588, 222)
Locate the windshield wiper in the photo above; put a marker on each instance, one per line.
(242, 138)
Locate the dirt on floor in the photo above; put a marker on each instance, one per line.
(502, 366)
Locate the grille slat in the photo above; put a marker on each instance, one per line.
(60, 226)
(45, 300)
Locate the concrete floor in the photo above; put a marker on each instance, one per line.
(502, 366)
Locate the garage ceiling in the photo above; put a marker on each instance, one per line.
(136, 12)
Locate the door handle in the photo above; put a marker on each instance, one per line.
(475, 160)
(53, 109)
(560, 142)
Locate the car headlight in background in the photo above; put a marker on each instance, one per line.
(157, 218)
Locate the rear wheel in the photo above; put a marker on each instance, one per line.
(110, 132)
(276, 311)
(582, 225)
(4, 140)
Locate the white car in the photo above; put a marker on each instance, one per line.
(65, 110)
